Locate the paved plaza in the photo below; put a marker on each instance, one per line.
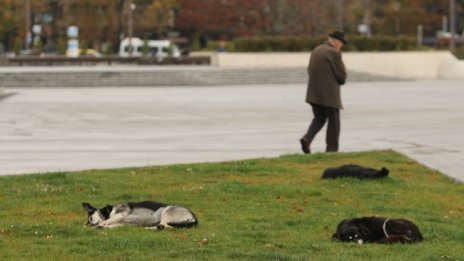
(64, 129)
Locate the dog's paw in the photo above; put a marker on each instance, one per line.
(160, 227)
(157, 227)
(151, 228)
(98, 227)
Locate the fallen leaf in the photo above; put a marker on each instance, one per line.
(203, 242)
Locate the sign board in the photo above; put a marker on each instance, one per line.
(73, 48)
(363, 28)
(28, 38)
(37, 29)
(73, 31)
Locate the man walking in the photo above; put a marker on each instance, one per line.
(326, 73)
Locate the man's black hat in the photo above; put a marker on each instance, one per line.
(338, 35)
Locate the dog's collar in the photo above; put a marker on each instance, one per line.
(384, 227)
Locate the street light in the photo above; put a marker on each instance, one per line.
(340, 15)
(452, 10)
(27, 14)
(396, 8)
(367, 18)
(130, 27)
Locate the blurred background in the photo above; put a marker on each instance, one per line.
(136, 27)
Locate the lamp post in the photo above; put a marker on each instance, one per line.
(367, 18)
(452, 10)
(341, 16)
(397, 7)
(130, 27)
(27, 14)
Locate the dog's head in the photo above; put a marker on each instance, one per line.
(384, 172)
(96, 216)
(351, 234)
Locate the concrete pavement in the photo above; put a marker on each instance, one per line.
(63, 129)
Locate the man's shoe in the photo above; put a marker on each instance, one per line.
(305, 146)
(331, 149)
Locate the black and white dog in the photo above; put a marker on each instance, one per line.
(354, 171)
(150, 214)
(377, 230)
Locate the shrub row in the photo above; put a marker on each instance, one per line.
(307, 43)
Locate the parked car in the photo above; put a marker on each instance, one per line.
(155, 48)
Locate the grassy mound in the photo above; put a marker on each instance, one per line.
(261, 209)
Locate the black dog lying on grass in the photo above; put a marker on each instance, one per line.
(377, 230)
(354, 171)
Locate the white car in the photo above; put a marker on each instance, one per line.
(155, 48)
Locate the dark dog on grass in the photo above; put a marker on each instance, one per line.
(354, 171)
(377, 230)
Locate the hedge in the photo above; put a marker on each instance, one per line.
(307, 43)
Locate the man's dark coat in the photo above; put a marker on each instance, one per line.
(326, 73)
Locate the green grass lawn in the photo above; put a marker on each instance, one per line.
(261, 209)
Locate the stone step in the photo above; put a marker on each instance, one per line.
(182, 76)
